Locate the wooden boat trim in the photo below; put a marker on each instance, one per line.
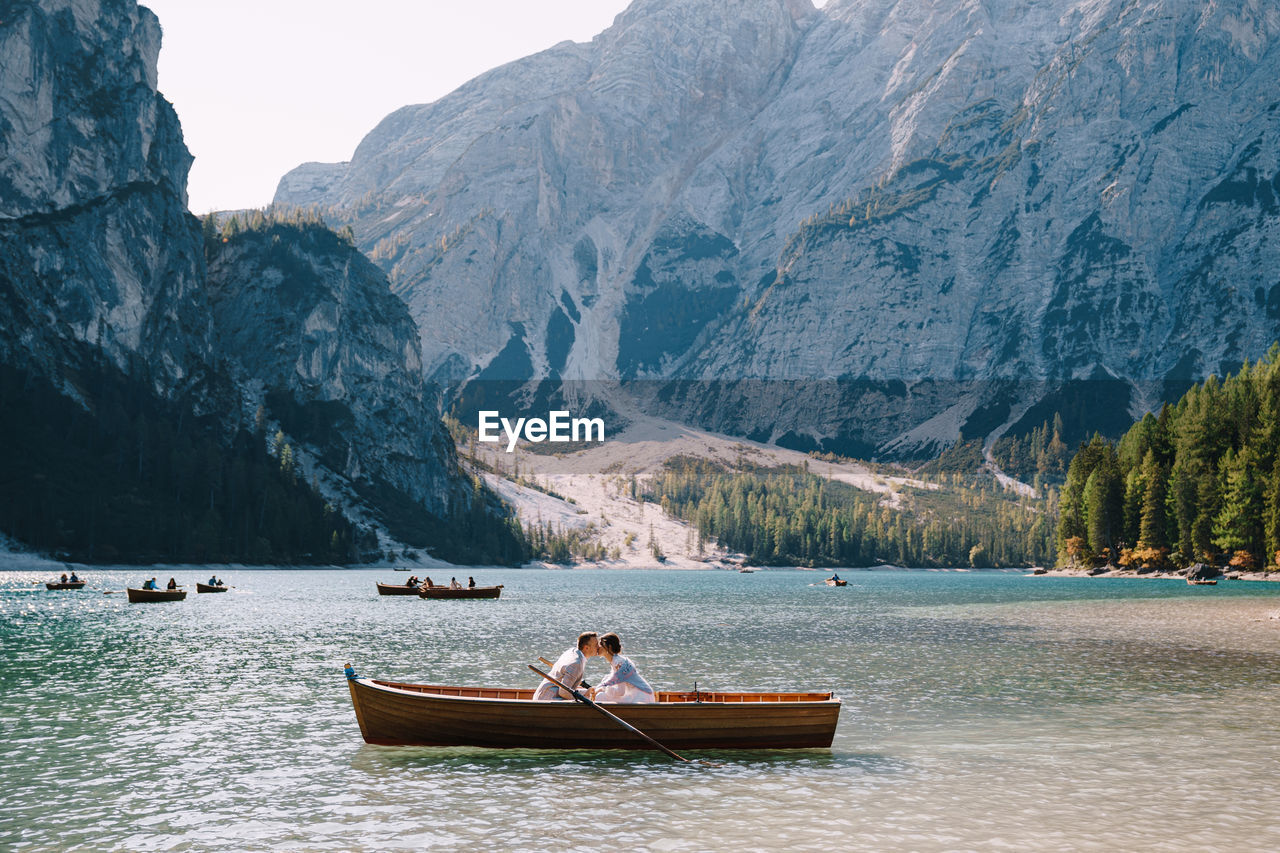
(522, 695)
(396, 589)
(439, 592)
(137, 595)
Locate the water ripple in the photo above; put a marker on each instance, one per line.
(982, 711)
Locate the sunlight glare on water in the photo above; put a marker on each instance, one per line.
(981, 711)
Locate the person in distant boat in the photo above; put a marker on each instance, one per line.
(149, 583)
(74, 579)
(569, 668)
(63, 579)
(834, 577)
(412, 581)
(173, 584)
(471, 582)
(427, 583)
(453, 584)
(213, 580)
(624, 683)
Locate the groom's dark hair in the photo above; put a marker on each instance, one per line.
(584, 638)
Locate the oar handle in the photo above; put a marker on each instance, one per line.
(548, 663)
(576, 695)
(584, 700)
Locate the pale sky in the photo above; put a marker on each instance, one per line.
(263, 85)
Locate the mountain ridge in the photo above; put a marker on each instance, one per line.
(932, 194)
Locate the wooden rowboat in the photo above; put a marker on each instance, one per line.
(464, 592)
(1202, 581)
(833, 582)
(138, 596)
(396, 589)
(207, 587)
(395, 714)
(67, 585)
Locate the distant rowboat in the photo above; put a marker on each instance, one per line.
(396, 589)
(1202, 581)
(396, 714)
(460, 592)
(138, 596)
(66, 585)
(208, 587)
(834, 582)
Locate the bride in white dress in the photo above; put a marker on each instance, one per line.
(624, 682)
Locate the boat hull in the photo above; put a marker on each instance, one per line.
(67, 585)
(830, 582)
(141, 596)
(204, 587)
(392, 714)
(465, 592)
(396, 589)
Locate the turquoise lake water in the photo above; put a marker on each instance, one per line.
(982, 710)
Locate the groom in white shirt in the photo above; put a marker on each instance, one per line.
(569, 668)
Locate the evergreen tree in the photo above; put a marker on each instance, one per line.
(1073, 519)
(210, 231)
(1271, 516)
(1238, 525)
(1153, 529)
(1103, 505)
(1201, 477)
(1135, 493)
(1207, 507)
(1183, 495)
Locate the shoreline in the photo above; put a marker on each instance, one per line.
(1116, 572)
(37, 563)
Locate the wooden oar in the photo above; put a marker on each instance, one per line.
(584, 700)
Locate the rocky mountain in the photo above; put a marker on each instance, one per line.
(314, 333)
(875, 226)
(147, 363)
(96, 244)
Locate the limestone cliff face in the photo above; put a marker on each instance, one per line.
(953, 213)
(81, 122)
(310, 323)
(99, 256)
(1063, 193)
(532, 194)
(96, 244)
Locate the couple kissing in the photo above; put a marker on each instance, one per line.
(623, 684)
